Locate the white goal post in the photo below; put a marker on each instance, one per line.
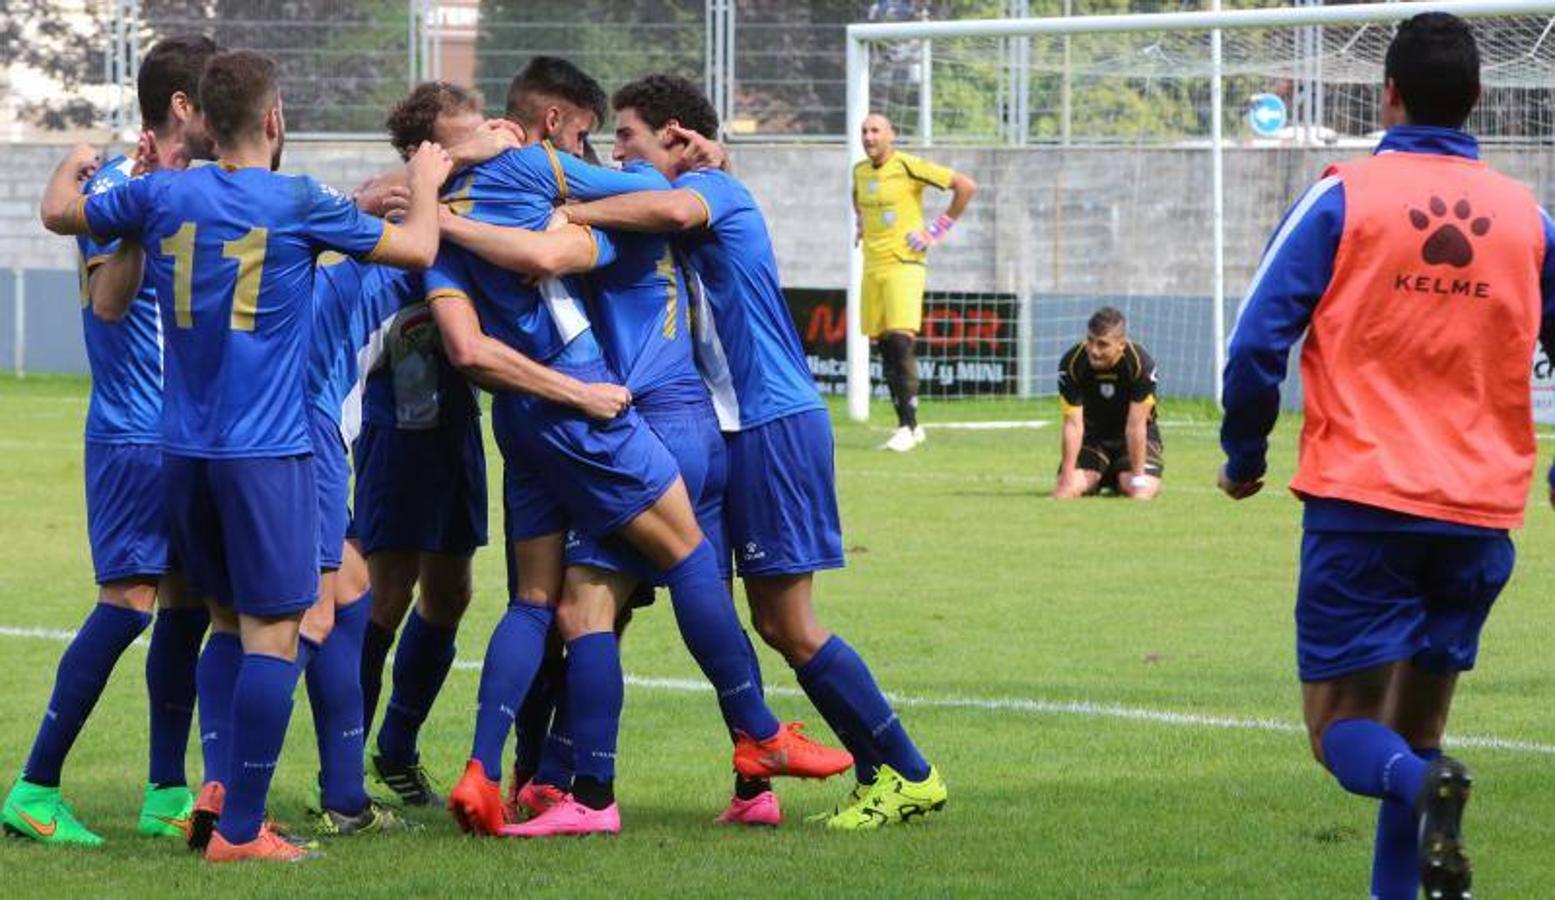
(862, 37)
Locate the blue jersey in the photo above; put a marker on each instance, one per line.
(125, 356)
(747, 346)
(352, 314)
(639, 310)
(521, 188)
(230, 253)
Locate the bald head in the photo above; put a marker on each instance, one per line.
(879, 138)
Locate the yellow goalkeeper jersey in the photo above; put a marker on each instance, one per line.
(889, 198)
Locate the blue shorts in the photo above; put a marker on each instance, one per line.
(563, 470)
(690, 433)
(1366, 599)
(782, 499)
(421, 490)
(126, 512)
(332, 475)
(246, 530)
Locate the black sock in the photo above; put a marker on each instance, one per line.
(592, 792)
(750, 788)
(901, 373)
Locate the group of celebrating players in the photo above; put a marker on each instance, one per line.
(656, 419)
(649, 395)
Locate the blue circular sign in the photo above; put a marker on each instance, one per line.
(1266, 114)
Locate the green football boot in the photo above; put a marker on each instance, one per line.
(375, 819)
(37, 812)
(892, 801)
(854, 798)
(166, 812)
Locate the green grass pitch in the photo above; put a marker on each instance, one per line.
(1040, 649)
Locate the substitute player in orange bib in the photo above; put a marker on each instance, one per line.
(1421, 279)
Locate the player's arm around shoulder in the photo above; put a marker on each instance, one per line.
(538, 254)
(676, 209)
(63, 208)
(413, 243)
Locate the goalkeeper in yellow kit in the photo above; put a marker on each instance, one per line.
(888, 207)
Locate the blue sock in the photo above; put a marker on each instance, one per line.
(1395, 862)
(534, 716)
(261, 711)
(839, 684)
(512, 657)
(170, 683)
(711, 630)
(375, 654)
(83, 673)
(421, 663)
(1370, 759)
(555, 767)
(335, 695)
(216, 676)
(306, 649)
(594, 699)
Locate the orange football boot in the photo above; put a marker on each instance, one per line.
(789, 753)
(267, 847)
(476, 801)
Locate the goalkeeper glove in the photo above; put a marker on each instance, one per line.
(928, 237)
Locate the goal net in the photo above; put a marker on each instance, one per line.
(1094, 152)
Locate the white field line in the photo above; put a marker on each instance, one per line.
(1027, 706)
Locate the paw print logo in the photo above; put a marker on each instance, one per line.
(1447, 244)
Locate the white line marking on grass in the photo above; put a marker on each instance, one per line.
(1019, 705)
(987, 426)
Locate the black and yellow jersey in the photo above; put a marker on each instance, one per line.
(1105, 395)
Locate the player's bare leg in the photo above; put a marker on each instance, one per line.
(1351, 725)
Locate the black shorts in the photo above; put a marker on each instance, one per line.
(1110, 458)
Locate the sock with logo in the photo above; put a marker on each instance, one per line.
(171, 663)
(1395, 861)
(261, 712)
(533, 723)
(375, 654)
(750, 788)
(555, 767)
(216, 675)
(839, 684)
(594, 699)
(711, 630)
(899, 365)
(335, 694)
(1370, 759)
(78, 682)
(512, 657)
(421, 664)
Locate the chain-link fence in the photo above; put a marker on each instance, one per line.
(774, 69)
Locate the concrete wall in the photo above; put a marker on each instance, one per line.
(1069, 228)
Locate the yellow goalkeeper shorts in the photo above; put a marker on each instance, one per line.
(892, 299)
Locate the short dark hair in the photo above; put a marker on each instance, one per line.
(1106, 320)
(558, 79)
(1434, 64)
(659, 98)
(411, 121)
(171, 67)
(236, 90)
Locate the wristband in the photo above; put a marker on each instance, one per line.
(940, 226)
(1139, 481)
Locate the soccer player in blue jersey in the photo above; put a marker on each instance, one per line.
(230, 252)
(420, 489)
(640, 316)
(783, 530)
(125, 514)
(356, 306)
(577, 456)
